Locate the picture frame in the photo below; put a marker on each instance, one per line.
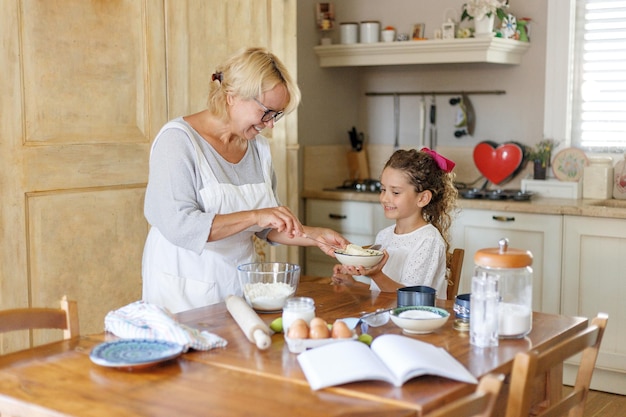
(418, 31)
(448, 30)
(325, 16)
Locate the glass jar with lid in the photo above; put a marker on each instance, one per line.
(298, 308)
(512, 270)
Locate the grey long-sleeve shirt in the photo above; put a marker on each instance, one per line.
(173, 203)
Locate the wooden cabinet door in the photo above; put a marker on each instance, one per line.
(83, 93)
(539, 233)
(594, 280)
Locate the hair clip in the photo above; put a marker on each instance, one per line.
(219, 76)
(442, 162)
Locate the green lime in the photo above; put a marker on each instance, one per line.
(366, 338)
(277, 325)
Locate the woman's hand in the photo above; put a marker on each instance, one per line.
(281, 219)
(326, 238)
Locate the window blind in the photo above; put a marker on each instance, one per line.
(599, 89)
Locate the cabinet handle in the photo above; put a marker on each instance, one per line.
(337, 216)
(503, 218)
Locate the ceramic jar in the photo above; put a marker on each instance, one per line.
(370, 31)
(598, 178)
(349, 32)
(619, 183)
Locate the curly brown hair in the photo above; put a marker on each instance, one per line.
(424, 173)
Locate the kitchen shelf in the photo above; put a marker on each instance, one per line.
(440, 51)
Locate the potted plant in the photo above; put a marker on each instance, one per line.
(540, 156)
(483, 13)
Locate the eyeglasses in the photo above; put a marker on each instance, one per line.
(269, 114)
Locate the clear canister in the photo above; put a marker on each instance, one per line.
(511, 268)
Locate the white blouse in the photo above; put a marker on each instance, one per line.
(415, 258)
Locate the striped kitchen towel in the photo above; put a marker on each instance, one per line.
(143, 320)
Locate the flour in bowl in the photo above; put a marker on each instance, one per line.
(268, 296)
(418, 314)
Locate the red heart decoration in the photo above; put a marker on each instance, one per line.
(497, 163)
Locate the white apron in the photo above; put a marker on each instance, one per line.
(180, 279)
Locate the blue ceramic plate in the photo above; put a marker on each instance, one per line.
(133, 353)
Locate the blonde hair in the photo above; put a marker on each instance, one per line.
(248, 74)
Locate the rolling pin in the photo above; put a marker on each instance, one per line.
(249, 322)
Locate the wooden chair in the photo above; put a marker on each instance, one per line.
(64, 318)
(455, 264)
(480, 403)
(529, 366)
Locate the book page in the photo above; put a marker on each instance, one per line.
(407, 358)
(340, 363)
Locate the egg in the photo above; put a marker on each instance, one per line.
(340, 330)
(298, 330)
(319, 331)
(317, 321)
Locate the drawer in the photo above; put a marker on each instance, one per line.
(343, 216)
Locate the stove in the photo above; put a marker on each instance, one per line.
(361, 186)
(476, 193)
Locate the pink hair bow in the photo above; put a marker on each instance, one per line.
(442, 162)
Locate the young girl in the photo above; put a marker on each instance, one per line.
(417, 191)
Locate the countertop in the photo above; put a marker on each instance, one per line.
(560, 206)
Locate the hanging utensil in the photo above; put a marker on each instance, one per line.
(471, 115)
(433, 123)
(465, 118)
(460, 121)
(422, 123)
(396, 121)
(353, 138)
(360, 141)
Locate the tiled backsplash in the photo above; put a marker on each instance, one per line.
(326, 166)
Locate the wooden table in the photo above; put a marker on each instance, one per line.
(240, 380)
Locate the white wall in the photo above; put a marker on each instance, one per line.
(334, 98)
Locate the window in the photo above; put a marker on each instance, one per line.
(598, 119)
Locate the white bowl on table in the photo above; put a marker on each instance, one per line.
(419, 319)
(267, 285)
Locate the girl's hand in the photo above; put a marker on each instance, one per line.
(361, 270)
(340, 277)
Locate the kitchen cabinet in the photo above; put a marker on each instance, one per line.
(594, 280)
(539, 233)
(489, 50)
(358, 221)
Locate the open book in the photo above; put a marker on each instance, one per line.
(391, 358)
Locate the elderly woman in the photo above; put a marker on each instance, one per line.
(212, 187)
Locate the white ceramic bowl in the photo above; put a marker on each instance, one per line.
(367, 261)
(267, 285)
(419, 319)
